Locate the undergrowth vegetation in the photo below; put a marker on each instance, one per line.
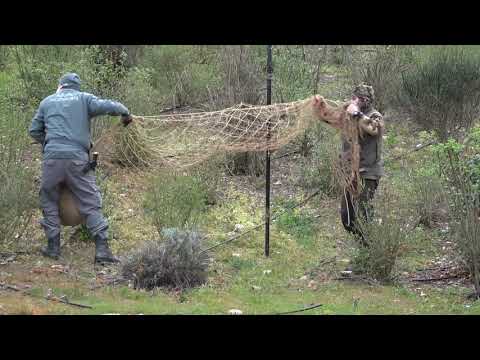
(428, 198)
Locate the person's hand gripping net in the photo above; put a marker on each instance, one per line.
(126, 119)
(368, 125)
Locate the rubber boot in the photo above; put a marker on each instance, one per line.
(52, 250)
(102, 251)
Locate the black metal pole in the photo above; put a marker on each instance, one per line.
(267, 160)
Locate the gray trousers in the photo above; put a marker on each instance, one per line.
(84, 190)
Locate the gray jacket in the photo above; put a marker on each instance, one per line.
(62, 122)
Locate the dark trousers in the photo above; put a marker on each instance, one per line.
(351, 208)
(83, 187)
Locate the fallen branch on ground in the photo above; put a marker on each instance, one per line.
(16, 253)
(358, 278)
(438, 268)
(67, 302)
(50, 298)
(398, 157)
(285, 155)
(300, 310)
(441, 278)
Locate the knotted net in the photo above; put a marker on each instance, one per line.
(178, 141)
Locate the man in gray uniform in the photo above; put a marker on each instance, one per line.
(371, 163)
(62, 125)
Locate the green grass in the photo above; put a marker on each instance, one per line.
(273, 297)
(242, 278)
(299, 225)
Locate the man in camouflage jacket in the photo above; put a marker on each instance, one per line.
(371, 163)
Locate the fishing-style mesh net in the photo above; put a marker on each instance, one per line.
(183, 139)
(180, 140)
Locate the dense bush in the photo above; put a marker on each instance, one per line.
(182, 75)
(381, 68)
(241, 78)
(17, 196)
(295, 77)
(175, 262)
(38, 69)
(441, 89)
(460, 171)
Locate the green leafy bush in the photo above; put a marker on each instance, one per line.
(175, 201)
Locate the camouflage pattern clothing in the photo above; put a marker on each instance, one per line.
(371, 163)
(371, 168)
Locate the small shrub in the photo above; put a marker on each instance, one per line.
(384, 236)
(17, 196)
(141, 96)
(17, 201)
(176, 262)
(341, 54)
(318, 170)
(210, 173)
(82, 234)
(182, 75)
(175, 200)
(428, 196)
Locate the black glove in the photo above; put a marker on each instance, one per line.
(126, 119)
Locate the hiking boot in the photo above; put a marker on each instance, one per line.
(102, 251)
(52, 250)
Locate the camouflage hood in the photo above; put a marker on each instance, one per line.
(366, 91)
